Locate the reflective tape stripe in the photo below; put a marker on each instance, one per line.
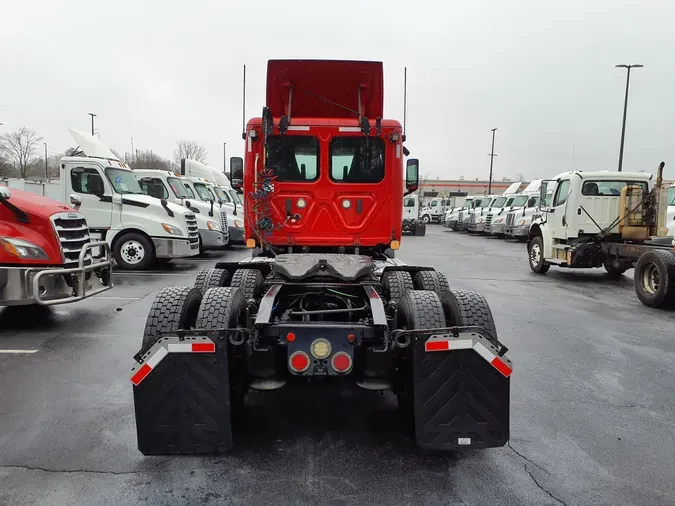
(349, 129)
(446, 342)
(180, 348)
(203, 348)
(141, 374)
(299, 128)
(157, 357)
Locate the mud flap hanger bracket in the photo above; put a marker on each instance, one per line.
(454, 332)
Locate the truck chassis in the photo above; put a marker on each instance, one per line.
(315, 318)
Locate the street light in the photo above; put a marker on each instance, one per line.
(492, 157)
(625, 108)
(92, 122)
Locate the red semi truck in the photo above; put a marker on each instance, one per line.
(322, 300)
(46, 254)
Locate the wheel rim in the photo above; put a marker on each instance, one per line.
(535, 254)
(132, 252)
(425, 219)
(651, 281)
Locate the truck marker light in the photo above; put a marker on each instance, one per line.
(320, 348)
(301, 203)
(351, 338)
(341, 362)
(250, 243)
(290, 337)
(299, 361)
(395, 245)
(346, 204)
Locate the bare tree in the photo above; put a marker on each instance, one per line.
(20, 148)
(149, 160)
(190, 150)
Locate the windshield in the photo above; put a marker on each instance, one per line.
(486, 203)
(189, 191)
(519, 201)
(671, 196)
(123, 181)
(235, 196)
(177, 187)
(221, 195)
(203, 191)
(499, 202)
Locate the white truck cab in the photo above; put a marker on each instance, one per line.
(411, 216)
(517, 222)
(138, 228)
(479, 212)
(495, 223)
(211, 219)
(451, 219)
(210, 184)
(434, 212)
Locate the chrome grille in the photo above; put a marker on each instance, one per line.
(193, 230)
(223, 221)
(73, 234)
(488, 219)
(509, 219)
(460, 216)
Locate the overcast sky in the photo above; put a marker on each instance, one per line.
(541, 72)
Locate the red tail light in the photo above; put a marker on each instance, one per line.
(299, 361)
(341, 362)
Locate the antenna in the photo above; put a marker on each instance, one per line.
(405, 98)
(243, 108)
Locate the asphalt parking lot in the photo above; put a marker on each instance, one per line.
(592, 413)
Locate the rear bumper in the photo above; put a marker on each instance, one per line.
(50, 286)
(212, 239)
(174, 248)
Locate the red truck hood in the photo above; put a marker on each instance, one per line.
(339, 82)
(39, 230)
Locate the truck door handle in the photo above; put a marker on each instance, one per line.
(564, 221)
(579, 211)
(359, 206)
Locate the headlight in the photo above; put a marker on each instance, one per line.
(238, 224)
(522, 221)
(171, 229)
(499, 220)
(212, 225)
(23, 249)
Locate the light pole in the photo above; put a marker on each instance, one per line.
(92, 122)
(625, 109)
(492, 157)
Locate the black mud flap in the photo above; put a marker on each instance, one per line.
(182, 397)
(461, 392)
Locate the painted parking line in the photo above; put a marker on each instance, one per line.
(18, 352)
(116, 298)
(151, 273)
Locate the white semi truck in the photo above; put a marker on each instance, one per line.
(211, 218)
(210, 184)
(411, 216)
(611, 219)
(138, 228)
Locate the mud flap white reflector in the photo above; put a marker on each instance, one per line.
(463, 440)
(447, 342)
(165, 346)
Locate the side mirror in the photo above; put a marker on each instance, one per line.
(75, 200)
(412, 175)
(542, 195)
(237, 173)
(5, 193)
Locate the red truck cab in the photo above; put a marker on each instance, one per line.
(323, 169)
(46, 254)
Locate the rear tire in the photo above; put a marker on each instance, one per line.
(174, 308)
(432, 280)
(418, 309)
(215, 278)
(426, 218)
(469, 309)
(614, 271)
(535, 254)
(395, 284)
(249, 281)
(654, 278)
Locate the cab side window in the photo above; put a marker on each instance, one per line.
(154, 187)
(561, 193)
(87, 181)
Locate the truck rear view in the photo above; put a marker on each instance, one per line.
(323, 298)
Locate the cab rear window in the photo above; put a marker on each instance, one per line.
(357, 159)
(293, 158)
(608, 188)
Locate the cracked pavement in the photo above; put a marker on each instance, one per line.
(592, 404)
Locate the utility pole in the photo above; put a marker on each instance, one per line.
(92, 122)
(492, 157)
(625, 109)
(225, 157)
(46, 169)
(132, 150)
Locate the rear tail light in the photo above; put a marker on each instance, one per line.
(299, 361)
(341, 362)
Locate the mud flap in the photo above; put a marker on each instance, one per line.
(182, 396)
(461, 389)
